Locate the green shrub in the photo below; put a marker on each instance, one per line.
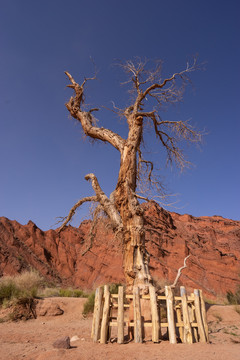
(72, 293)
(8, 289)
(49, 292)
(80, 293)
(234, 299)
(54, 291)
(89, 304)
(65, 292)
(19, 288)
(29, 281)
(19, 293)
(113, 288)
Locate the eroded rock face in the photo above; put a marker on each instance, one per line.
(213, 242)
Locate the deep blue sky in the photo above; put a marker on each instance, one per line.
(43, 155)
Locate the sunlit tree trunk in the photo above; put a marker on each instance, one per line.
(135, 256)
(122, 207)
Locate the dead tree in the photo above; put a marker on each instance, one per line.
(150, 93)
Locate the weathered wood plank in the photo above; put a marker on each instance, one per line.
(154, 312)
(137, 315)
(170, 315)
(98, 306)
(120, 317)
(160, 297)
(187, 334)
(204, 315)
(179, 320)
(201, 331)
(105, 317)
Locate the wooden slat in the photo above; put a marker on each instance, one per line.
(137, 315)
(187, 335)
(201, 330)
(94, 314)
(105, 317)
(170, 315)
(204, 315)
(115, 306)
(154, 312)
(98, 306)
(179, 320)
(164, 325)
(159, 297)
(120, 317)
(192, 319)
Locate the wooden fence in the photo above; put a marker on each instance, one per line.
(184, 317)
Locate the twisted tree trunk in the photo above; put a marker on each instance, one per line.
(122, 207)
(135, 256)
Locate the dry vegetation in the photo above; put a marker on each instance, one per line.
(19, 295)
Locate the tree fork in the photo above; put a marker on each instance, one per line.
(150, 94)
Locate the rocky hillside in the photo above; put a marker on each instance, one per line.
(212, 242)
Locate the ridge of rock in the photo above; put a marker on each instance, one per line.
(213, 242)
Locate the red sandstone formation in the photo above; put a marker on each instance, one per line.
(212, 242)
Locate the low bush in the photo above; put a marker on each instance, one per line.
(8, 289)
(80, 293)
(19, 287)
(55, 291)
(89, 304)
(29, 283)
(19, 292)
(113, 288)
(234, 299)
(48, 292)
(72, 293)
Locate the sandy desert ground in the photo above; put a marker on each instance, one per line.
(33, 339)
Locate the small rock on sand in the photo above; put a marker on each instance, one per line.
(62, 343)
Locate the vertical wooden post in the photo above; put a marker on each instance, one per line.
(204, 315)
(97, 314)
(154, 312)
(201, 330)
(105, 317)
(192, 318)
(187, 334)
(120, 316)
(170, 315)
(179, 320)
(109, 328)
(137, 315)
(160, 320)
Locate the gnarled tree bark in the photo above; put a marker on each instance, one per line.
(122, 207)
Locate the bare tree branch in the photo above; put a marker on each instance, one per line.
(163, 91)
(86, 117)
(91, 234)
(149, 166)
(73, 210)
(180, 271)
(106, 203)
(150, 94)
(172, 90)
(169, 133)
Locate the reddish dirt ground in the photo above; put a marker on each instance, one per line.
(33, 339)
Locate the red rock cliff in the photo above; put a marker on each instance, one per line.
(212, 242)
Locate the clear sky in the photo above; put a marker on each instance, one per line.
(43, 155)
